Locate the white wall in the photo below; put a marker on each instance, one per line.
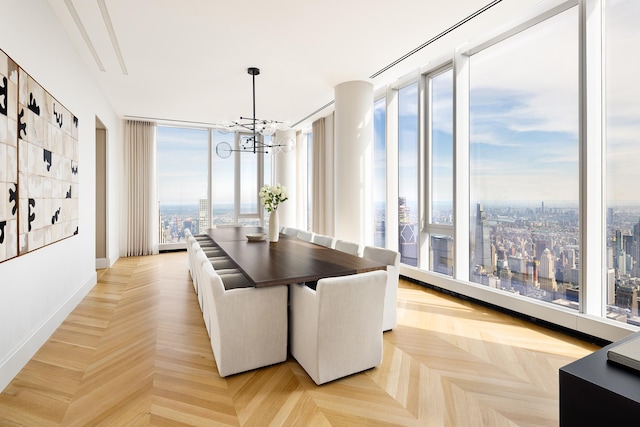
(38, 290)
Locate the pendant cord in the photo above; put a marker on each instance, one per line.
(254, 112)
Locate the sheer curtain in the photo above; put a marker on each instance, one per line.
(142, 215)
(319, 179)
(301, 186)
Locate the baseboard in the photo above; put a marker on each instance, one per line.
(102, 263)
(16, 360)
(170, 247)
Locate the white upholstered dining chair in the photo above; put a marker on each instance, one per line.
(203, 239)
(191, 258)
(307, 236)
(326, 241)
(289, 231)
(247, 326)
(348, 247)
(232, 277)
(391, 259)
(193, 246)
(336, 330)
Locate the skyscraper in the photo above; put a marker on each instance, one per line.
(617, 241)
(407, 233)
(635, 250)
(541, 245)
(547, 271)
(403, 210)
(203, 216)
(483, 241)
(627, 298)
(547, 265)
(442, 254)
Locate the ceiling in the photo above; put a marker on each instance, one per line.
(186, 61)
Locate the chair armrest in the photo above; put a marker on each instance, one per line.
(304, 325)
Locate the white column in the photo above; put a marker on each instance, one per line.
(353, 152)
(285, 173)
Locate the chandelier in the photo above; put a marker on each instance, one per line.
(257, 129)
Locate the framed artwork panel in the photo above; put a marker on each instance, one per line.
(38, 165)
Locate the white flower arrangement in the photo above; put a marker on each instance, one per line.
(271, 197)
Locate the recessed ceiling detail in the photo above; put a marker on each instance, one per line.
(112, 35)
(189, 64)
(83, 32)
(433, 39)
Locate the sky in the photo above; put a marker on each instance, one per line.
(622, 101)
(523, 123)
(442, 140)
(183, 174)
(408, 144)
(524, 115)
(182, 165)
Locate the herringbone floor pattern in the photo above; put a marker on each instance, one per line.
(135, 352)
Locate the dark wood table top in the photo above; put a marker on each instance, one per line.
(225, 234)
(290, 260)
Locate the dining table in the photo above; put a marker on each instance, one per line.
(287, 261)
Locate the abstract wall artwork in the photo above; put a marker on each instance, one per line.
(38, 165)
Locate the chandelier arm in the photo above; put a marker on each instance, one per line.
(255, 126)
(264, 121)
(245, 126)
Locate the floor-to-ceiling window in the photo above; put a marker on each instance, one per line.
(223, 169)
(182, 181)
(524, 158)
(440, 170)
(183, 171)
(512, 196)
(379, 173)
(622, 126)
(408, 174)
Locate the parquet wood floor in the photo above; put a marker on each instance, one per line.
(135, 352)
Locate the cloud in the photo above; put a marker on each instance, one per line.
(441, 108)
(524, 114)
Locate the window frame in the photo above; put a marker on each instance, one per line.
(590, 318)
(404, 82)
(181, 244)
(534, 17)
(382, 97)
(430, 228)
